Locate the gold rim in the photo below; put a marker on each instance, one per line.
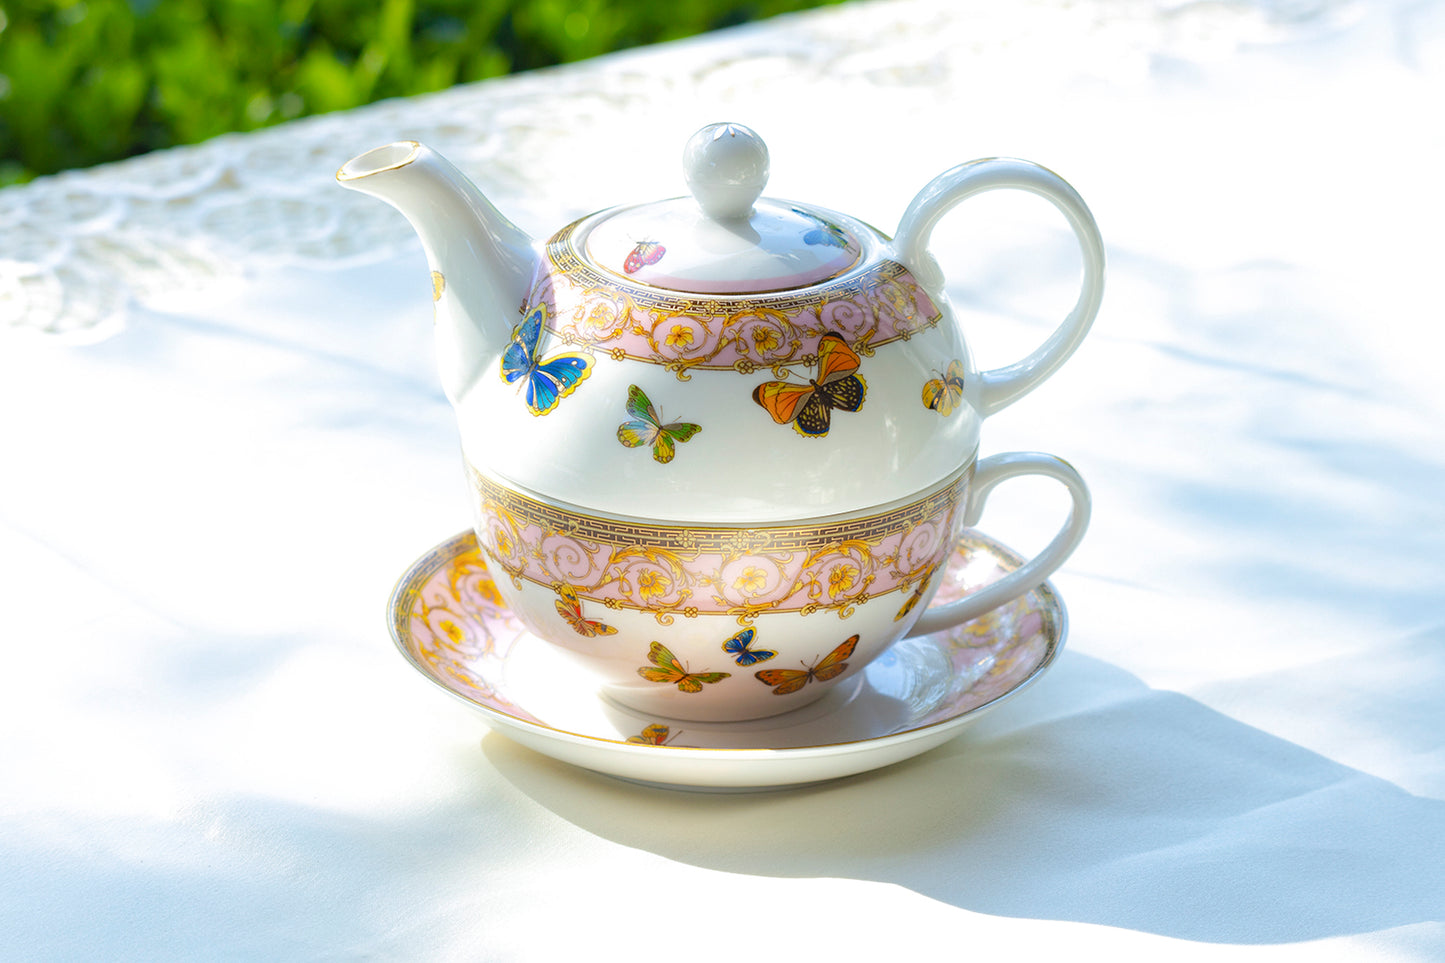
(555, 515)
(350, 172)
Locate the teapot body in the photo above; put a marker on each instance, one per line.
(724, 408)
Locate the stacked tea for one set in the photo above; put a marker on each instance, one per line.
(723, 455)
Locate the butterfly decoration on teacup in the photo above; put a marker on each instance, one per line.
(917, 596)
(646, 428)
(569, 606)
(808, 407)
(666, 668)
(654, 735)
(739, 648)
(546, 382)
(832, 665)
(942, 394)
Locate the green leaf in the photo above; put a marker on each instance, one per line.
(88, 81)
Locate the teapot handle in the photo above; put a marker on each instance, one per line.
(1002, 386)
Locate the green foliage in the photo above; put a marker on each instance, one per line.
(88, 81)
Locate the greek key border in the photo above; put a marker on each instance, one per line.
(702, 539)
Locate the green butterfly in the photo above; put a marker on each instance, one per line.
(666, 668)
(647, 428)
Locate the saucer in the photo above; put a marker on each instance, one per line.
(449, 621)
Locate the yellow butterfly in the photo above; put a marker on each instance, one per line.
(570, 608)
(913, 599)
(653, 735)
(669, 669)
(832, 665)
(943, 394)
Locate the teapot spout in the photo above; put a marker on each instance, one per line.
(481, 263)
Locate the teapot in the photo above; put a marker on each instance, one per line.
(718, 446)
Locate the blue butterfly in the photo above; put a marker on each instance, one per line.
(826, 233)
(737, 647)
(547, 382)
(829, 234)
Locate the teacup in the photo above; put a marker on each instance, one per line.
(722, 623)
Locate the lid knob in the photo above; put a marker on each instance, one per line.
(726, 166)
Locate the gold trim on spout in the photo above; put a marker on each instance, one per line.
(353, 170)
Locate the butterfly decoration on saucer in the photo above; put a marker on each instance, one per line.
(449, 621)
(720, 447)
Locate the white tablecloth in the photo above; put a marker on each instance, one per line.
(224, 439)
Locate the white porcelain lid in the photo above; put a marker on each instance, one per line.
(722, 239)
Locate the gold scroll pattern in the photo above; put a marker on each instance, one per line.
(684, 332)
(743, 572)
(455, 622)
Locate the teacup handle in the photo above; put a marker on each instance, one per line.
(1002, 386)
(990, 472)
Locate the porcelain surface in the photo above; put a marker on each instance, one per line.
(625, 363)
(713, 432)
(450, 622)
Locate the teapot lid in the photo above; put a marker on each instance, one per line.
(725, 238)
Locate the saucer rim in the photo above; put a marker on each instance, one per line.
(424, 566)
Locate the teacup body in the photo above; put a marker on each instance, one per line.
(717, 622)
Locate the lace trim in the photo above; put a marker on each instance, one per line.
(78, 249)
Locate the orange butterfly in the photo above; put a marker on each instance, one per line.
(653, 735)
(809, 407)
(942, 394)
(570, 608)
(832, 665)
(668, 669)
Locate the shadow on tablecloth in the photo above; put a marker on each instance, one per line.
(1117, 805)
